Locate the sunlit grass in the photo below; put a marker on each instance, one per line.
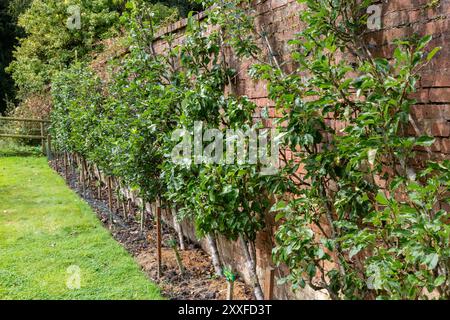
(45, 228)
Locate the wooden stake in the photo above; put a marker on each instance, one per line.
(83, 177)
(65, 166)
(43, 138)
(159, 237)
(110, 198)
(49, 147)
(269, 283)
(230, 290)
(143, 216)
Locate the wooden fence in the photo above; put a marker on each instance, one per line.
(29, 129)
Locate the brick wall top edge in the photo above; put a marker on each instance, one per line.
(178, 25)
(261, 7)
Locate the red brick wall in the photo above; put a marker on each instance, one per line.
(406, 17)
(401, 18)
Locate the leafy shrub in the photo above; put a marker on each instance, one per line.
(360, 221)
(50, 46)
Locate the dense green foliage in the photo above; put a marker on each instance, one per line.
(46, 45)
(367, 210)
(50, 45)
(128, 133)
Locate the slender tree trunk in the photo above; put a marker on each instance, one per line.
(178, 229)
(77, 167)
(159, 237)
(124, 209)
(143, 216)
(129, 207)
(251, 267)
(87, 172)
(99, 190)
(66, 175)
(252, 252)
(215, 255)
(110, 204)
(179, 259)
(117, 193)
(98, 177)
(72, 163)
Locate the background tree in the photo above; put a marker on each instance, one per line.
(9, 32)
(49, 45)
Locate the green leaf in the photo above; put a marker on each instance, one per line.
(439, 280)
(424, 41)
(381, 199)
(279, 216)
(280, 205)
(425, 141)
(433, 260)
(433, 53)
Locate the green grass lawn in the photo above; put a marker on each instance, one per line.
(51, 241)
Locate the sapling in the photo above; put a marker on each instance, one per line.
(178, 228)
(172, 243)
(231, 278)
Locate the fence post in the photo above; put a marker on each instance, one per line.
(42, 137)
(49, 148)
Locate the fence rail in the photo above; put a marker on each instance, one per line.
(40, 133)
(23, 120)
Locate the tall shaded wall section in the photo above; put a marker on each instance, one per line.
(400, 19)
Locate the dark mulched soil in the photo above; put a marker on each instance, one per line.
(199, 281)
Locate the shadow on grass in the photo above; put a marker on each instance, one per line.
(22, 154)
(12, 149)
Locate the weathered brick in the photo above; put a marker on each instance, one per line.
(439, 95)
(445, 145)
(441, 129)
(431, 111)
